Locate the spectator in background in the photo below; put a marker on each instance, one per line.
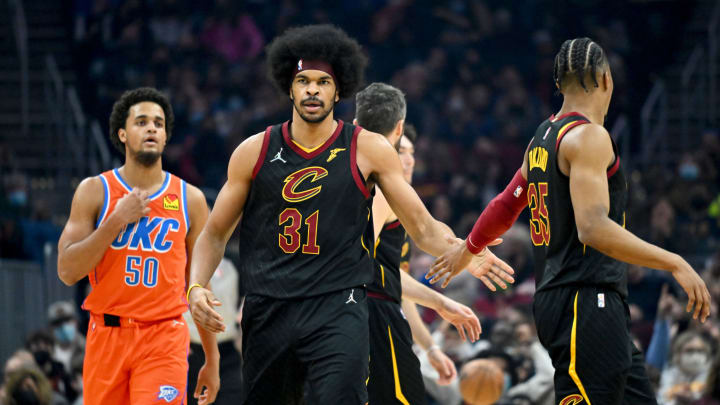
(536, 387)
(69, 344)
(28, 386)
(711, 395)
(684, 381)
(41, 344)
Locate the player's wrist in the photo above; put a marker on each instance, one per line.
(472, 249)
(433, 347)
(190, 289)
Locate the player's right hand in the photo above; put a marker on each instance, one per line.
(462, 317)
(133, 206)
(695, 288)
(201, 302)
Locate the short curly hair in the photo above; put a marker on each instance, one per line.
(317, 42)
(121, 110)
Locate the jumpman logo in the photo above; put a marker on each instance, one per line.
(279, 157)
(350, 298)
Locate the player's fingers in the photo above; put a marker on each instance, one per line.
(698, 302)
(495, 242)
(450, 276)
(497, 280)
(502, 273)
(453, 370)
(504, 266)
(476, 327)
(706, 306)
(461, 331)
(488, 283)
(198, 390)
(691, 299)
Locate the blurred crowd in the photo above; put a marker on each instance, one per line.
(477, 77)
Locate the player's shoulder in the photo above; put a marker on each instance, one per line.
(90, 187)
(372, 140)
(587, 140)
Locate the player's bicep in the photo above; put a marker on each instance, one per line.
(588, 155)
(84, 211)
(230, 202)
(401, 197)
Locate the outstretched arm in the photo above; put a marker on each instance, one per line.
(421, 335)
(588, 152)
(210, 246)
(379, 159)
(208, 380)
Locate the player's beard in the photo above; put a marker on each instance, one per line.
(320, 117)
(145, 158)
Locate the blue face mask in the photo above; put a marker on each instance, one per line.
(18, 198)
(507, 383)
(65, 333)
(689, 171)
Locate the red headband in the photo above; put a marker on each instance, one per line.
(314, 65)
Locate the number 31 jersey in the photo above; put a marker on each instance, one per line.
(560, 257)
(304, 229)
(142, 273)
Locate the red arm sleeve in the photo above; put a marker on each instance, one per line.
(500, 214)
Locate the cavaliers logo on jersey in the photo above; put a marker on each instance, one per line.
(572, 399)
(171, 202)
(294, 189)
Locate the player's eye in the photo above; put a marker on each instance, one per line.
(142, 123)
(158, 124)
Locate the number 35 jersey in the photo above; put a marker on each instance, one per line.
(142, 273)
(560, 257)
(304, 229)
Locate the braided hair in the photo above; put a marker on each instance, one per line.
(578, 58)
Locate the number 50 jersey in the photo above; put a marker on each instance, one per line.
(560, 257)
(304, 229)
(142, 273)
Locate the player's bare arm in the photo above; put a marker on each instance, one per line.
(210, 246)
(462, 317)
(511, 203)
(208, 380)
(81, 246)
(379, 160)
(421, 335)
(584, 155)
(382, 213)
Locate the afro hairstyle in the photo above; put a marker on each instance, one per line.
(121, 110)
(317, 42)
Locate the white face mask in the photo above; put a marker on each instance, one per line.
(693, 363)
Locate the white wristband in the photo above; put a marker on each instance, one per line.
(431, 348)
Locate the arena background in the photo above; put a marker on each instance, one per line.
(478, 80)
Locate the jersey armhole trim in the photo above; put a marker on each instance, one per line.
(263, 152)
(106, 201)
(359, 181)
(392, 225)
(565, 129)
(186, 215)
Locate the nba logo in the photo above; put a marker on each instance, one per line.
(168, 393)
(601, 300)
(300, 65)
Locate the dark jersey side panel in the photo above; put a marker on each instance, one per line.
(305, 219)
(560, 257)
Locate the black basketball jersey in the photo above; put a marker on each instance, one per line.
(304, 229)
(560, 257)
(392, 255)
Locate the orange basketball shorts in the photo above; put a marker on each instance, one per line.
(135, 362)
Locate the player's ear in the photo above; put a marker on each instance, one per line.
(355, 121)
(337, 95)
(122, 135)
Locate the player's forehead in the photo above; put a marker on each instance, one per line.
(147, 109)
(312, 74)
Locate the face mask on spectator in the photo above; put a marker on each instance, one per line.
(507, 382)
(42, 357)
(689, 171)
(26, 396)
(693, 363)
(65, 333)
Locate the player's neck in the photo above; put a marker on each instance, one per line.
(309, 134)
(145, 177)
(584, 105)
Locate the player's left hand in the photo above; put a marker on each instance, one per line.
(485, 266)
(443, 365)
(208, 383)
(201, 302)
(462, 317)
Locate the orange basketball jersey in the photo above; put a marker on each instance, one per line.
(142, 274)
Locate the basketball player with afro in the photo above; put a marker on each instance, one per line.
(573, 182)
(304, 189)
